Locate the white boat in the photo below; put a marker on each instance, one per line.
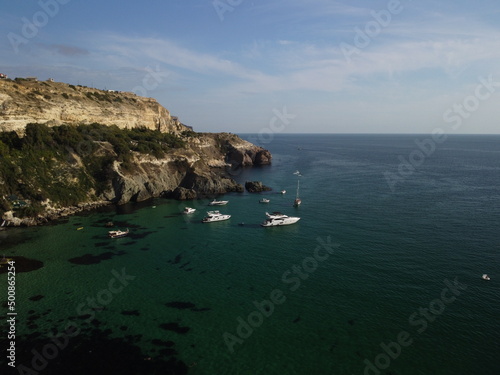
(297, 201)
(283, 192)
(297, 173)
(118, 233)
(218, 203)
(485, 277)
(214, 216)
(278, 219)
(188, 210)
(264, 200)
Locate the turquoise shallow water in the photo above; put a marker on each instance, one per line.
(191, 284)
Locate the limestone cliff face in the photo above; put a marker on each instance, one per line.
(23, 102)
(203, 168)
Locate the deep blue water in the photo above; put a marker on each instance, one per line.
(371, 263)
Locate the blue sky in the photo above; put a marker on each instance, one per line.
(396, 66)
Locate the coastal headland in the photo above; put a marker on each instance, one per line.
(67, 148)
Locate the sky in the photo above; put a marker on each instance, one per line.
(275, 66)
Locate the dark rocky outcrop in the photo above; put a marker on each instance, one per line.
(246, 154)
(181, 194)
(263, 157)
(256, 187)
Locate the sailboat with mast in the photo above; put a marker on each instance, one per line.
(297, 201)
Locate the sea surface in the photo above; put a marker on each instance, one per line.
(382, 274)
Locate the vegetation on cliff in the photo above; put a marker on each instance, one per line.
(51, 168)
(70, 164)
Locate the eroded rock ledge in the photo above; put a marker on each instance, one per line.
(23, 101)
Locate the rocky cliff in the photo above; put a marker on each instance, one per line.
(48, 169)
(203, 167)
(25, 101)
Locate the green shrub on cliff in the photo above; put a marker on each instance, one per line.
(69, 136)
(38, 137)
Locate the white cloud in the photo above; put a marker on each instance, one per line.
(422, 55)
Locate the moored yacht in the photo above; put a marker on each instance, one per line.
(214, 216)
(188, 210)
(278, 219)
(218, 203)
(117, 233)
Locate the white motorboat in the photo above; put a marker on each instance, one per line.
(297, 173)
(485, 277)
(278, 219)
(214, 216)
(117, 233)
(264, 200)
(283, 192)
(218, 203)
(188, 210)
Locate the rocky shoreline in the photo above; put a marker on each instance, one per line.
(50, 215)
(179, 193)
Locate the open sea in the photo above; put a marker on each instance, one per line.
(382, 274)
